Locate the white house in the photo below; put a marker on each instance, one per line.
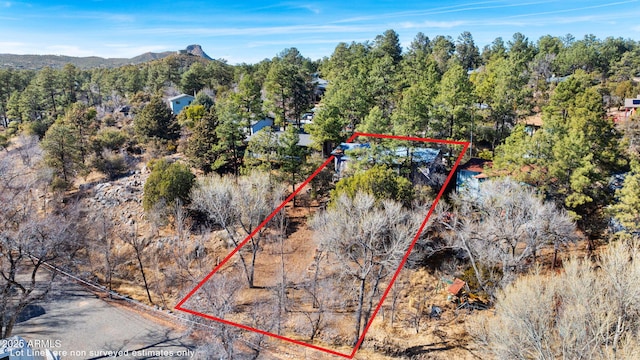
(631, 106)
(177, 103)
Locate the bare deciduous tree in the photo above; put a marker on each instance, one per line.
(104, 233)
(503, 227)
(590, 311)
(29, 239)
(239, 206)
(368, 239)
(219, 298)
(317, 317)
(139, 244)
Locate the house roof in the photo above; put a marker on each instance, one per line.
(343, 147)
(420, 155)
(476, 165)
(424, 155)
(181, 96)
(305, 140)
(557, 79)
(266, 118)
(456, 286)
(535, 120)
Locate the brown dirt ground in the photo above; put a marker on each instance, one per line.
(444, 338)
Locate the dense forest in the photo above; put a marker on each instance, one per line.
(548, 113)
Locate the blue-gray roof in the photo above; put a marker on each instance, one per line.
(424, 155)
(418, 155)
(178, 97)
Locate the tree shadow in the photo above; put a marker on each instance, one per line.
(30, 312)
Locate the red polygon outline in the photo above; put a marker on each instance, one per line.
(179, 307)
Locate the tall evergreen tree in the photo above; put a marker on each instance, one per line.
(156, 121)
(230, 135)
(248, 98)
(572, 156)
(288, 87)
(454, 102)
(388, 44)
(467, 52)
(194, 79)
(200, 145)
(627, 208)
(62, 152)
(292, 157)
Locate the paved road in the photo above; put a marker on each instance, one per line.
(78, 325)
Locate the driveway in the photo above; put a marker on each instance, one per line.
(75, 324)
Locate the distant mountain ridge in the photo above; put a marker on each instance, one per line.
(36, 62)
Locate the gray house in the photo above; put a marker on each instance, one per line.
(426, 163)
(258, 125)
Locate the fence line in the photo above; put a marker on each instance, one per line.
(113, 294)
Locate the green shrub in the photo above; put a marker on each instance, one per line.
(111, 138)
(37, 127)
(379, 181)
(4, 141)
(109, 120)
(167, 181)
(59, 184)
(485, 154)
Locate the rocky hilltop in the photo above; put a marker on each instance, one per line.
(197, 51)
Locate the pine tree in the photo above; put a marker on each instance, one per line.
(627, 208)
(292, 157)
(156, 121)
(200, 145)
(230, 136)
(62, 152)
(572, 156)
(375, 123)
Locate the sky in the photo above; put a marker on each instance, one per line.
(243, 31)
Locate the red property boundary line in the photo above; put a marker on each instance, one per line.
(351, 355)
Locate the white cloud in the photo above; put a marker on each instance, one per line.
(11, 43)
(298, 42)
(69, 50)
(257, 31)
(125, 50)
(293, 5)
(468, 7)
(433, 24)
(15, 47)
(575, 9)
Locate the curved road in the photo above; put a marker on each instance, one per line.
(76, 324)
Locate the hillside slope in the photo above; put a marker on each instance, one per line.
(35, 62)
